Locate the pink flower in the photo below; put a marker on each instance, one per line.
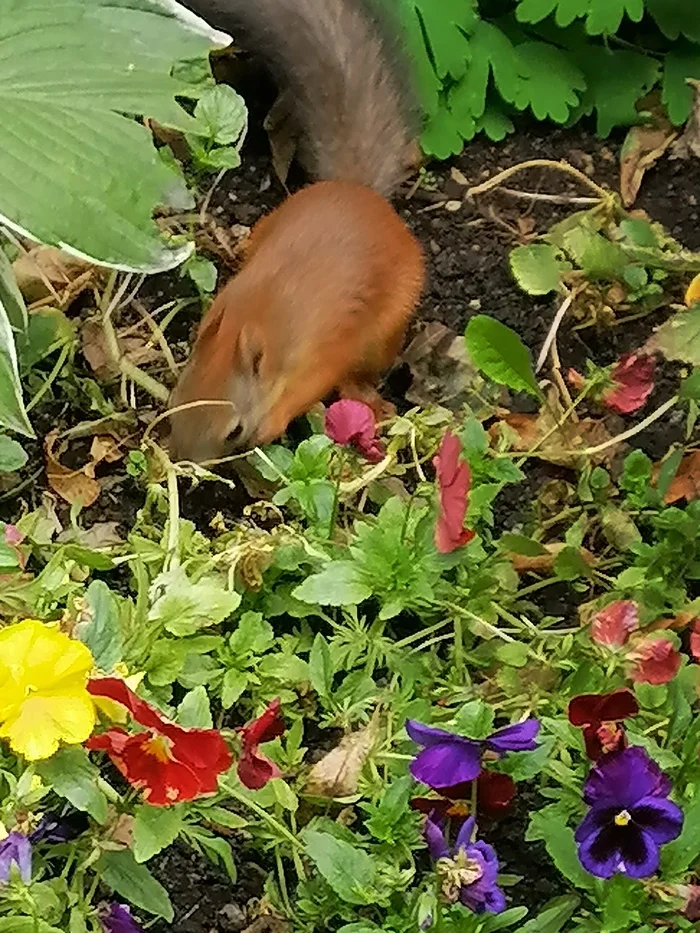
(695, 640)
(613, 625)
(453, 479)
(352, 422)
(13, 536)
(654, 661)
(634, 382)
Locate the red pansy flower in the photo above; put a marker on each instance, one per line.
(633, 383)
(352, 422)
(453, 479)
(695, 640)
(254, 769)
(613, 625)
(600, 715)
(167, 762)
(654, 661)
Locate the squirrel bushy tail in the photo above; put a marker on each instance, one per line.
(346, 77)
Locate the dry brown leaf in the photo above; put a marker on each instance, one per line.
(105, 447)
(337, 774)
(689, 143)
(643, 146)
(45, 270)
(686, 482)
(74, 486)
(97, 536)
(136, 349)
(543, 562)
(283, 134)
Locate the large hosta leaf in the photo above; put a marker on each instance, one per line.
(76, 170)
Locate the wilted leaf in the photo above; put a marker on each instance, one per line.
(643, 146)
(46, 270)
(283, 133)
(619, 529)
(337, 774)
(686, 483)
(679, 337)
(545, 562)
(78, 487)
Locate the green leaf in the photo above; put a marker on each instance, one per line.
(25, 925)
(72, 775)
(155, 828)
(13, 414)
(690, 386)
(679, 855)
(569, 564)
(12, 455)
(253, 635)
(679, 337)
(194, 711)
(338, 584)
(490, 52)
(514, 654)
(538, 268)
(221, 115)
(217, 849)
(234, 685)
(120, 871)
(598, 257)
(616, 80)
(348, 870)
(553, 916)
(499, 353)
(496, 922)
(102, 631)
(185, 606)
(676, 18)
(601, 15)
(521, 544)
(549, 81)
(559, 842)
(70, 71)
(681, 62)
(11, 297)
(321, 666)
(475, 720)
(203, 273)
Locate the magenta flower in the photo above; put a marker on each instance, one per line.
(453, 480)
(467, 873)
(448, 759)
(630, 816)
(633, 383)
(352, 423)
(117, 919)
(15, 849)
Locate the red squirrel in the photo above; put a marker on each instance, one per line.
(331, 278)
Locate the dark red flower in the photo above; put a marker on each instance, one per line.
(453, 479)
(254, 769)
(600, 715)
(166, 762)
(654, 661)
(613, 625)
(495, 792)
(352, 422)
(633, 379)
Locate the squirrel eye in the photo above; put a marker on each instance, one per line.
(234, 434)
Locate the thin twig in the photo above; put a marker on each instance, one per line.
(158, 336)
(537, 163)
(626, 435)
(551, 335)
(551, 198)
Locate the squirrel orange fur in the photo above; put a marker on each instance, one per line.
(331, 278)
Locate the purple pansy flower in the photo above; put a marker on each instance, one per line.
(15, 849)
(117, 919)
(467, 873)
(449, 759)
(629, 817)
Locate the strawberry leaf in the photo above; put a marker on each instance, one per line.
(682, 62)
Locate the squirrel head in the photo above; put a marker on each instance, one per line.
(233, 368)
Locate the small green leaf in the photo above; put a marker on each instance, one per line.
(499, 353)
(338, 584)
(475, 720)
(679, 855)
(186, 606)
(561, 846)
(521, 544)
(102, 631)
(72, 775)
(598, 257)
(348, 870)
(12, 455)
(234, 685)
(25, 925)
(321, 666)
(514, 654)
(221, 115)
(679, 337)
(569, 564)
(194, 711)
(553, 916)
(682, 62)
(155, 828)
(538, 268)
(120, 871)
(203, 273)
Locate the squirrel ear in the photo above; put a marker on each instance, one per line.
(212, 320)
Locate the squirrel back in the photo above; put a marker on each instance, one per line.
(346, 75)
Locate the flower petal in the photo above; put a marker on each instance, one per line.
(436, 840)
(429, 735)
(640, 853)
(655, 661)
(453, 481)
(255, 770)
(594, 708)
(464, 836)
(266, 727)
(116, 689)
(447, 764)
(633, 379)
(117, 919)
(45, 720)
(613, 624)
(599, 853)
(495, 792)
(621, 779)
(16, 849)
(660, 819)
(351, 422)
(520, 737)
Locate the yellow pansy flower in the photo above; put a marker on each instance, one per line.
(43, 695)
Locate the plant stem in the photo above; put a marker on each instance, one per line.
(263, 814)
(626, 435)
(537, 163)
(46, 385)
(336, 494)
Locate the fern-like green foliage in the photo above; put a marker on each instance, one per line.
(480, 62)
